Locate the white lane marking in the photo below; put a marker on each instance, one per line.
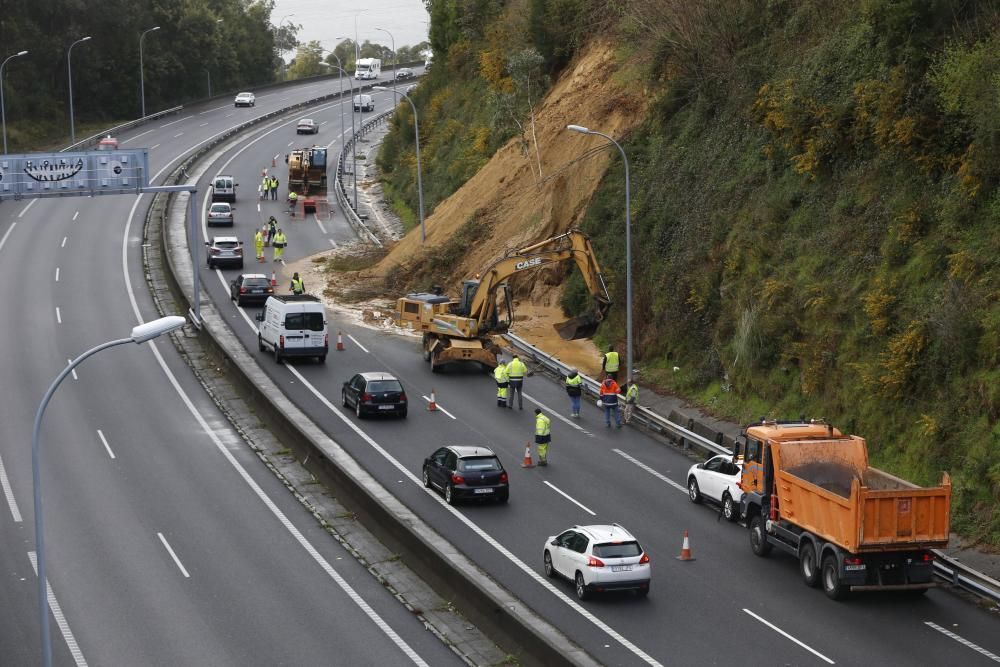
(321, 227)
(77, 214)
(154, 147)
(215, 109)
(963, 641)
(9, 493)
(125, 141)
(428, 399)
(290, 143)
(9, 230)
(174, 122)
(58, 316)
(57, 274)
(282, 99)
(25, 209)
(358, 344)
(324, 122)
(179, 134)
(276, 156)
(558, 416)
(241, 471)
(332, 243)
(63, 244)
(570, 498)
(230, 114)
(788, 636)
(170, 551)
(652, 472)
(203, 125)
(100, 434)
(74, 648)
(542, 581)
(68, 362)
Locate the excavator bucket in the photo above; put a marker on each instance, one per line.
(583, 326)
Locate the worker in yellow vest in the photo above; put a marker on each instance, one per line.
(610, 363)
(574, 387)
(258, 242)
(543, 436)
(516, 370)
(631, 399)
(298, 285)
(280, 241)
(503, 381)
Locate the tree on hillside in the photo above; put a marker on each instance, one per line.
(308, 61)
(515, 93)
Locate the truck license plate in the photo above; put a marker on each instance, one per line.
(483, 491)
(621, 568)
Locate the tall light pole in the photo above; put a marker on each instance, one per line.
(395, 99)
(142, 76)
(628, 245)
(354, 136)
(69, 68)
(420, 185)
(340, 67)
(207, 71)
(3, 110)
(140, 334)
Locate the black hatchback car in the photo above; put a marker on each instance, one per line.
(250, 288)
(374, 393)
(467, 472)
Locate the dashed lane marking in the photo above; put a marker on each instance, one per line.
(9, 493)
(570, 498)
(57, 613)
(25, 209)
(788, 636)
(104, 440)
(963, 641)
(428, 399)
(654, 473)
(174, 122)
(58, 315)
(358, 344)
(57, 274)
(68, 362)
(63, 244)
(125, 141)
(180, 565)
(9, 230)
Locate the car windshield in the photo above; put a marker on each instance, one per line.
(219, 209)
(385, 385)
(617, 550)
(226, 244)
(310, 321)
(479, 463)
(256, 282)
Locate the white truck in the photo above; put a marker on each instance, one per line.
(367, 68)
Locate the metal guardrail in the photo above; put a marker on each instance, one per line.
(946, 568)
(118, 128)
(342, 198)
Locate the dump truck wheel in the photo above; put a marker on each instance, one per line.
(758, 538)
(832, 585)
(808, 565)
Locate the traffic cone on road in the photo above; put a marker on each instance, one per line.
(274, 280)
(686, 549)
(340, 341)
(432, 405)
(527, 462)
(272, 162)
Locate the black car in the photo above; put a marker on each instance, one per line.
(466, 472)
(404, 73)
(374, 393)
(250, 288)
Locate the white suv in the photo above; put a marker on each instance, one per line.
(245, 100)
(598, 559)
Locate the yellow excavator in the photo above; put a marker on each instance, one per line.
(464, 329)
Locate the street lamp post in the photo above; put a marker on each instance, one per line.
(140, 334)
(628, 245)
(420, 185)
(142, 76)
(395, 99)
(354, 136)
(340, 77)
(207, 71)
(3, 110)
(69, 68)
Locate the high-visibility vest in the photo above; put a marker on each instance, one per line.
(611, 362)
(258, 238)
(609, 393)
(574, 385)
(543, 425)
(280, 240)
(292, 196)
(298, 286)
(500, 375)
(632, 395)
(516, 369)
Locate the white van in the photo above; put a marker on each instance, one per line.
(364, 103)
(293, 325)
(224, 188)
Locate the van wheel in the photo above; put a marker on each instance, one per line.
(277, 355)
(758, 538)
(321, 358)
(260, 343)
(808, 565)
(832, 586)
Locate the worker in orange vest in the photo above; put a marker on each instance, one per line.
(609, 401)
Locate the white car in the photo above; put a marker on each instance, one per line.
(598, 559)
(245, 100)
(716, 479)
(220, 213)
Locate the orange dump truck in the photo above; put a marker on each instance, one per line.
(809, 491)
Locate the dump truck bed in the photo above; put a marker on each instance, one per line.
(828, 489)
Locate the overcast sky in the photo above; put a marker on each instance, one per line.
(325, 20)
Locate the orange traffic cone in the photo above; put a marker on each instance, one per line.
(272, 162)
(340, 341)
(686, 549)
(274, 280)
(527, 462)
(433, 403)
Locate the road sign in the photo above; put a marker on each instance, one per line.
(85, 173)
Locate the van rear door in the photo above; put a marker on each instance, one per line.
(304, 330)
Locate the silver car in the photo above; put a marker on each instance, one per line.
(220, 213)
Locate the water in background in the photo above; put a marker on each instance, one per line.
(325, 20)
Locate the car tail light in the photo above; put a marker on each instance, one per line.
(238, 250)
(644, 560)
(594, 562)
(281, 342)
(215, 251)
(270, 290)
(457, 479)
(402, 397)
(503, 478)
(366, 396)
(852, 560)
(243, 290)
(927, 557)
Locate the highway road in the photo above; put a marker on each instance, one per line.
(726, 607)
(168, 541)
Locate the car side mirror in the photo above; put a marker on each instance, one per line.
(700, 466)
(260, 317)
(554, 543)
(208, 243)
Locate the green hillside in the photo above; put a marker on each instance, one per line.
(815, 208)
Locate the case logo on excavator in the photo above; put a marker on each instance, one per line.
(528, 263)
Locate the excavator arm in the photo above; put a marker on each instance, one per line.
(573, 245)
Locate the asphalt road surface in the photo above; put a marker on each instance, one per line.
(168, 542)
